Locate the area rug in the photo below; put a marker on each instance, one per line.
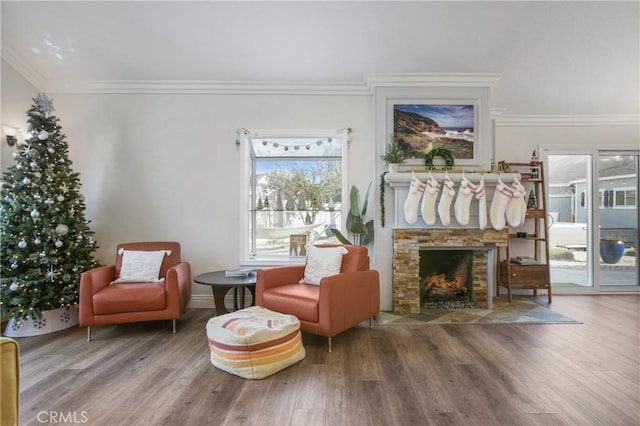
(521, 310)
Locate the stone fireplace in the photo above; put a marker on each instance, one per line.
(410, 239)
(408, 244)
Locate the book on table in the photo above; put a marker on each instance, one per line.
(243, 271)
(524, 260)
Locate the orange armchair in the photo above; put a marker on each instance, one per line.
(340, 301)
(103, 301)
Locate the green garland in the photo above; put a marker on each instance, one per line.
(439, 152)
(382, 198)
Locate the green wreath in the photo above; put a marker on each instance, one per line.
(439, 152)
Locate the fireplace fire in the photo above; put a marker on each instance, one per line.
(446, 279)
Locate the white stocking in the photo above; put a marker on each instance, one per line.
(463, 201)
(444, 206)
(517, 206)
(499, 205)
(429, 200)
(411, 203)
(482, 204)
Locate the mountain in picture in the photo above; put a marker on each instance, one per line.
(421, 128)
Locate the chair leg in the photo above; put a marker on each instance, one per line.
(329, 344)
(174, 326)
(88, 334)
(370, 322)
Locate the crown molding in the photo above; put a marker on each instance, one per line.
(22, 67)
(568, 120)
(208, 87)
(269, 88)
(451, 79)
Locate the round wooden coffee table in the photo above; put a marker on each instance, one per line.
(221, 284)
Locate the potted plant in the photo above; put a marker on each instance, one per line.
(612, 248)
(357, 226)
(394, 154)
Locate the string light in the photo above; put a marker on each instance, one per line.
(296, 147)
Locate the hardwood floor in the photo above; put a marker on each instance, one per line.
(394, 374)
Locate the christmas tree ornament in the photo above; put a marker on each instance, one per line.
(37, 241)
(48, 201)
(35, 214)
(58, 243)
(43, 104)
(62, 229)
(13, 287)
(43, 135)
(532, 203)
(534, 166)
(26, 181)
(22, 244)
(290, 204)
(51, 150)
(60, 198)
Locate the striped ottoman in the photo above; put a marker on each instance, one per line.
(254, 342)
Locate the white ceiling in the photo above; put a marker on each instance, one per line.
(554, 57)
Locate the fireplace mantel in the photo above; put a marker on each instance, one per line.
(403, 179)
(400, 183)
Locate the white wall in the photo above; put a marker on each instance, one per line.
(161, 166)
(516, 143)
(158, 167)
(17, 94)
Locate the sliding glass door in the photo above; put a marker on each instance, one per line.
(617, 205)
(593, 208)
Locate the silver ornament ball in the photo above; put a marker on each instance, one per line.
(62, 229)
(43, 135)
(22, 244)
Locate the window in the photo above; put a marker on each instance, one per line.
(625, 198)
(294, 191)
(618, 198)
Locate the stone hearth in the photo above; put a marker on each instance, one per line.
(407, 244)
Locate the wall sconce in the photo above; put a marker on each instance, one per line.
(11, 133)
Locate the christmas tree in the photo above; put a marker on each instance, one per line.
(45, 239)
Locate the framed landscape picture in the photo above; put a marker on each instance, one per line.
(454, 120)
(422, 127)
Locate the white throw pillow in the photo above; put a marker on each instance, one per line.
(141, 266)
(322, 262)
